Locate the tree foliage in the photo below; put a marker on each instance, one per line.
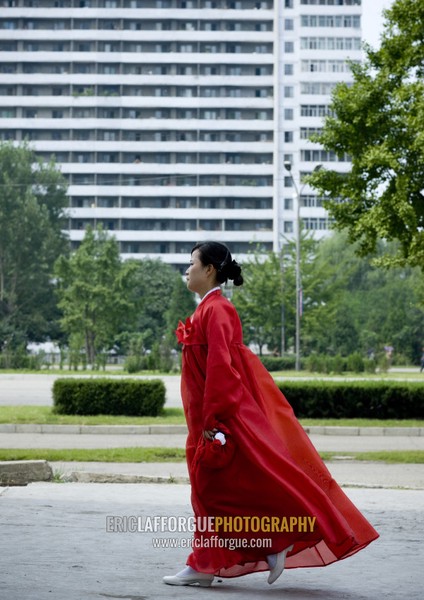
(181, 305)
(379, 122)
(94, 288)
(349, 304)
(360, 307)
(32, 202)
(266, 302)
(259, 302)
(161, 301)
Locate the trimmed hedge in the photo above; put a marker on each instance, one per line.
(131, 397)
(278, 363)
(354, 363)
(349, 400)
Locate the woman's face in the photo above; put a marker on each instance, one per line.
(200, 278)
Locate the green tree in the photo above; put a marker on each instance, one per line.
(94, 288)
(32, 202)
(153, 288)
(182, 304)
(360, 307)
(349, 304)
(267, 300)
(259, 301)
(379, 123)
(326, 321)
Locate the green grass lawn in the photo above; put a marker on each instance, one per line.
(137, 455)
(132, 455)
(44, 415)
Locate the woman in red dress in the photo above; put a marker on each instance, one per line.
(263, 499)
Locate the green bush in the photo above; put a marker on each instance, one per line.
(135, 364)
(338, 364)
(132, 397)
(354, 400)
(315, 363)
(21, 360)
(370, 365)
(323, 363)
(278, 363)
(355, 363)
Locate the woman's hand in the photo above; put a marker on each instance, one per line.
(209, 435)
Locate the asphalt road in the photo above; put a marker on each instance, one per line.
(54, 545)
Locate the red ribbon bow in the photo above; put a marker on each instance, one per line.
(183, 330)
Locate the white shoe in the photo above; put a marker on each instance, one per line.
(194, 578)
(278, 568)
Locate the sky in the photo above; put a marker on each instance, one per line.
(372, 20)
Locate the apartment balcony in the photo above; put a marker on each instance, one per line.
(169, 213)
(152, 146)
(180, 236)
(216, 191)
(147, 13)
(166, 169)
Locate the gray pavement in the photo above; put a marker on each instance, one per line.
(54, 545)
(323, 443)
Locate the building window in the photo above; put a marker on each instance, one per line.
(324, 43)
(288, 47)
(288, 137)
(288, 69)
(314, 110)
(288, 114)
(288, 226)
(288, 203)
(288, 24)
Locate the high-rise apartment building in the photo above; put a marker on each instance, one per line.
(172, 118)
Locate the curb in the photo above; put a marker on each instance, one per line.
(95, 429)
(182, 430)
(22, 472)
(365, 431)
(87, 477)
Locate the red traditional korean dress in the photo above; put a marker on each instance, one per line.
(269, 468)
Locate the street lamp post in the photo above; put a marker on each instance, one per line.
(297, 196)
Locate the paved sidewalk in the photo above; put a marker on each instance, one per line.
(54, 545)
(323, 443)
(171, 429)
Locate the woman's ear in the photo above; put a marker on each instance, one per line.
(210, 271)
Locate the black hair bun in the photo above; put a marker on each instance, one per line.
(234, 272)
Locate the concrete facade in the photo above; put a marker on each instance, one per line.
(172, 119)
